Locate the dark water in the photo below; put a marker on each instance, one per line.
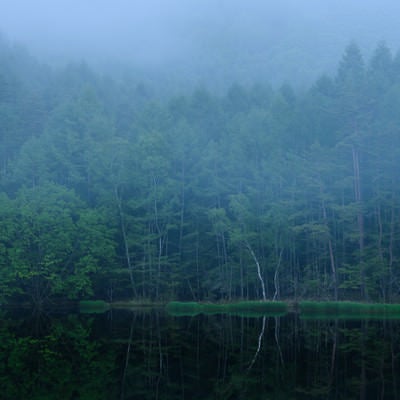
(150, 355)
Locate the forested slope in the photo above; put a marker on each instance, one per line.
(107, 192)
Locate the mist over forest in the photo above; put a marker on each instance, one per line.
(191, 150)
(213, 43)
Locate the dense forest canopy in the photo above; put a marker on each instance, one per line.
(108, 192)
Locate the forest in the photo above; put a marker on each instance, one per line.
(108, 191)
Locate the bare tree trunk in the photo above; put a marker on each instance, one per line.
(391, 241)
(182, 213)
(276, 284)
(384, 280)
(159, 237)
(331, 255)
(125, 240)
(198, 264)
(241, 276)
(258, 269)
(225, 262)
(360, 220)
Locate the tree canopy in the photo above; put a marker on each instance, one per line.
(109, 193)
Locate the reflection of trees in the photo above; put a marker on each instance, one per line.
(259, 344)
(151, 356)
(355, 360)
(60, 361)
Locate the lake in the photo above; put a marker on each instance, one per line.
(149, 354)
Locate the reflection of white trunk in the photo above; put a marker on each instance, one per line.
(363, 377)
(160, 357)
(333, 357)
(394, 358)
(277, 326)
(258, 269)
(128, 352)
(259, 344)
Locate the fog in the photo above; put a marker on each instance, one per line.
(209, 41)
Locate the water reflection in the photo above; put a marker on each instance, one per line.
(150, 355)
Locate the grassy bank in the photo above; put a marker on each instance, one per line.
(133, 304)
(245, 308)
(306, 309)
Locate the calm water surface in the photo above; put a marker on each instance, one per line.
(151, 355)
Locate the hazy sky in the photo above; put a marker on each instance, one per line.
(262, 33)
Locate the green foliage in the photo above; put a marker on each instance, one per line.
(53, 245)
